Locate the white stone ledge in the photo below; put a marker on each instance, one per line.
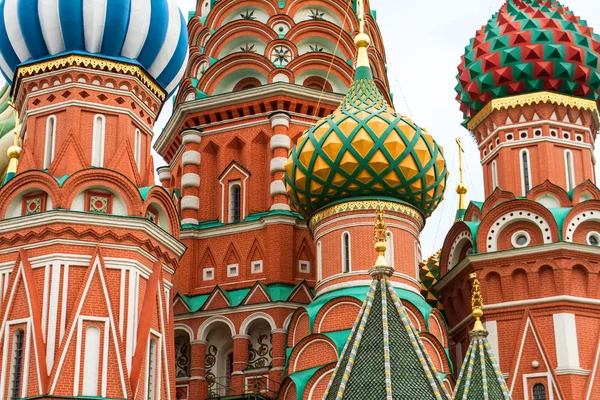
(277, 187)
(280, 119)
(278, 164)
(280, 207)
(189, 221)
(190, 203)
(281, 142)
(164, 173)
(190, 180)
(190, 136)
(190, 158)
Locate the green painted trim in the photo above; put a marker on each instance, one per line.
(301, 378)
(144, 191)
(250, 218)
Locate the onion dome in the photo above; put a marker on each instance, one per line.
(429, 275)
(529, 46)
(480, 376)
(152, 34)
(364, 149)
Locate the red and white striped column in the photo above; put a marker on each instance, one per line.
(190, 180)
(280, 146)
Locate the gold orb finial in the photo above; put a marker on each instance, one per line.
(362, 40)
(381, 269)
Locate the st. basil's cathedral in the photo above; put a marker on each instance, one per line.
(280, 257)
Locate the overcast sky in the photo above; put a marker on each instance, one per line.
(424, 41)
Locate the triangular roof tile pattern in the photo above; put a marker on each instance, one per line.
(480, 376)
(384, 357)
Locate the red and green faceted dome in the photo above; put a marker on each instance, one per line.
(365, 150)
(529, 46)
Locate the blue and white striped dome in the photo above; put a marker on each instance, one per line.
(150, 33)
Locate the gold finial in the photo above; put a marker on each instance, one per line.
(476, 303)
(381, 269)
(461, 189)
(362, 40)
(14, 151)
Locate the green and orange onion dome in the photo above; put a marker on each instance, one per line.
(365, 150)
(529, 46)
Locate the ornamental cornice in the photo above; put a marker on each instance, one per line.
(362, 205)
(89, 62)
(533, 98)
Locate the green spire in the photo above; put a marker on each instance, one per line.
(480, 376)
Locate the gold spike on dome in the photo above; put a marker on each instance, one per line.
(14, 151)
(476, 303)
(381, 269)
(461, 189)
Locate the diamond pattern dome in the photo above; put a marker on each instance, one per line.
(365, 149)
(529, 46)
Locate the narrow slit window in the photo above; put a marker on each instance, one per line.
(50, 141)
(346, 252)
(98, 141)
(494, 175)
(16, 372)
(151, 384)
(91, 361)
(570, 171)
(137, 145)
(234, 203)
(525, 172)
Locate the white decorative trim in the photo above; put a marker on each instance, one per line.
(572, 371)
(190, 180)
(280, 207)
(304, 266)
(189, 221)
(298, 356)
(256, 267)
(511, 217)
(164, 174)
(565, 338)
(191, 158)
(233, 270)
(277, 164)
(280, 119)
(208, 274)
(258, 315)
(202, 330)
(280, 142)
(190, 203)
(364, 282)
(595, 235)
(579, 219)
(277, 188)
(191, 136)
(243, 193)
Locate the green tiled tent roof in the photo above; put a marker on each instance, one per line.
(480, 376)
(384, 357)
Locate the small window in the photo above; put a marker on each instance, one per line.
(137, 148)
(579, 138)
(151, 382)
(346, 254)
(233, 270)
(234, 202)
(98, 202)
(538, 132)
(50, 141)
(304, 266)
(494, 174)
(208, 274)
(34, 203)
(593, 238)
(566, 135)
(523, 134)
(98, 141)
(525, 172)
(319, 261)
(509, 137)
(539, 392)
(520, 239)
(257, 267)
(553, 132)
(16, 370)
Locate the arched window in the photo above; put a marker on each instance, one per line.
(569, 170)
(389, 252)
(525, 172)
(91, 361)
(319, 261)
(50, 141)
(151, 377)
(16, 371)
(539, 392)
(346, 257)
(98, 141)
(494, 174)
(137, 148)
(234, 202)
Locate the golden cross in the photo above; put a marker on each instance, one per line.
(461, 151)
(16, 140)
(360, 6)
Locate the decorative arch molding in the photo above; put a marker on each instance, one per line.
(511, 212)
(473, 213)
(231, 64)
(331, 306)
(582, 212)
(256, 316)
(236, 29)
(338, 7)
(223, 9)
(288, 389)
(460, 241)
(161, 197)
(498, 196)
(322, 374)
(415, 316)
(549, 188)
(294, 324)
(305, 343)
(459, 230)
(428, 338)
(203, 330)
(30, 180)
(323, 29)
(195, 29)
(435, 317)
(586, 188)
(186, 329)
(113, 180)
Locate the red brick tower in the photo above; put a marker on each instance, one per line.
(529, 85)
(88, 245)
(260, 74)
